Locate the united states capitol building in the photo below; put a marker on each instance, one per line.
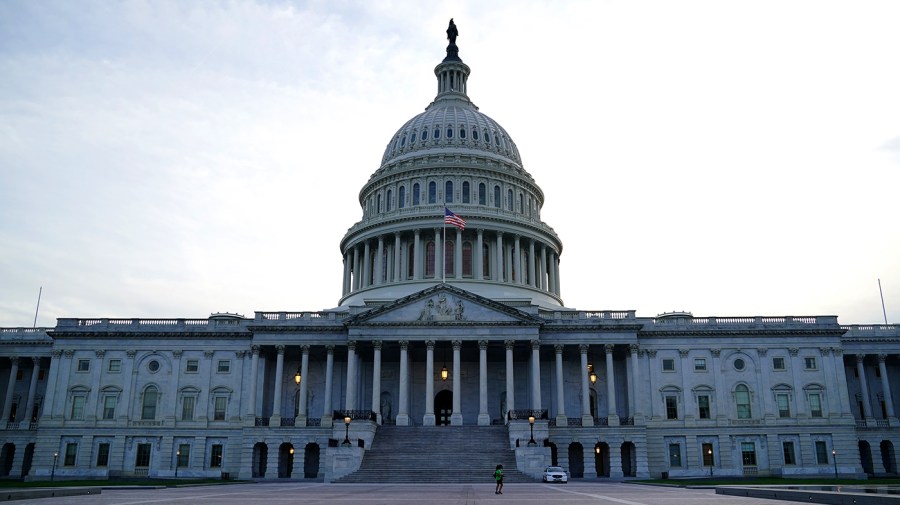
(447, 330)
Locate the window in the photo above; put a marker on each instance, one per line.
(778, 363)
(809, 363)
(787, 448)
(462, 133)
(675, 455)
(223, 366)
(668, 365)
(486, 261)
(109, 407)
(700, 365)
(821, 452)
(84, 365)
(425, 134)
(739, 364)
(708, 459)
(103, 454)
(401, 197)
(742, 400)
(77, 411)
(193, 366)
(142, 458)
(474, 134)
(703, 406)
(187, 408)
(221, 405)
(497, 196)
(390, 197)
(184, 455)
(671, 407)
(509, 199)
(449, 257)
(114, 366)
(378, 203)
(482, 194)
(748, 453)
(429, 259)
(71, 452)
(437, 133)
(215, 456)
(448, 191)
(148, 405)
(432, 192)
(521, 204)
(782, 400)
(449, 132)
(465, 191)
(815, 404)
(153, 366)
(416, 194)
(467, 259)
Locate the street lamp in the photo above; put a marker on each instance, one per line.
(531, 443)
(709, 453)
(53, 471)
(297, 376)
(347, 431)
(592, 375)
(177, 461)
(834, 460)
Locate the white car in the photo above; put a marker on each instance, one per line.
(555, 474)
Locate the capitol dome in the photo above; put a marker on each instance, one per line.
(453, 157)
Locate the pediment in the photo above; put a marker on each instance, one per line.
(441, 305)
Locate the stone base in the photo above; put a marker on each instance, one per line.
(402, 420)
(587, 420)
(562, 421)
(456, 420)
(484, 420)
(428, 420)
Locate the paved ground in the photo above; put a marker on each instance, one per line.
(439, 494)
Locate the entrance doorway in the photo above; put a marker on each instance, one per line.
(443, 407)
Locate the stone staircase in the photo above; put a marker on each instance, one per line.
(437, 454)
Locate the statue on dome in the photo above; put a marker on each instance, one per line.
(452, 32)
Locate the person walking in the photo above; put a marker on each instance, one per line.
(498, 476)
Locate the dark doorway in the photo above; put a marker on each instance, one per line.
(865, 457)
(311, 461)
(6, 459)
(285, 461)
(26, 462)
(554, 456)
(629, 460)
(601, 459)
(576, 460)
(887, 457)
(443, 407)
(260, 455)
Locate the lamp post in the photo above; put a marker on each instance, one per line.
(709, 453)
(531, 443)
(297, 376)
(347, 431)
(834, 460)
(177, 461)
(53, 471)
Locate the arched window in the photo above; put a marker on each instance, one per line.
(411, 265)
(425, 134)
(449, 132)
(462, 133)
(389, 195)
(416, 194)
(149, 402)
(449, 257)
(412, 140)
(742, 400)
(448, 191)
(432, 192)
(497, 196)
(521, 204)
(482, 194)
(474, 134)
(378, 205)
(437, 133)
(509, 199)
(403, 141)
(401, 197)
(465, 195)
(467, 259)
(429, 259)
(487, 137)
(486, 261)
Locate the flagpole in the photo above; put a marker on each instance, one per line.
(882, 302)
(444, 245)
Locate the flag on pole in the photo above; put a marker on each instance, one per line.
(451, 218)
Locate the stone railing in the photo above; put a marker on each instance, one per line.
(137, 324)
(354, 415)
(314, 421)
(871, 330)
(288, 421)
(513, 415)
(568, 315)
(321, 316)
(755, 320)
(261, 422)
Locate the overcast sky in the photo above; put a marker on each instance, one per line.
(173, 159)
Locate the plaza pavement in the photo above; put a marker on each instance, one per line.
(574, 493)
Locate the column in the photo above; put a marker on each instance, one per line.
(417, 255)
(254, 371)
(457, 257)
(536, 375)
(864, 386)
(561, 419)
(357, 272)
(302, 414)
(403, 407)
(484, 419)
(170, 410)
(438, 255)
(510, 266)
(345, 286)
(376, 380)
(551, 273)
(351, 376)
(478, 256)
(50, 391)
(510, 382)
(366, 266)
(841, 375)
(32, 388)
(379, 261)
(638, 386)
(587, 417)
(886, 386)
(279, 384)
(398, 275)
(10, 389)
(532, 280)
(543, 268)
(327, 410)
(556, 269)
(517, 251)
(428, 419)
(498, 272)
(612, 412)
(456, 417)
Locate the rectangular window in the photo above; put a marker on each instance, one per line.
(821, 452)
(708, 459)
(778, 363)
(668, 365)
(220, 406)
(84, 365)
(114, 366)
(187, 408)
(784, 406)
(809, 363)
(71, 452)
(787, 448)
(748, 453)
(192, 366)
(184, 455)
(223, 366)
(77, 408)
(700, 365)
(703, 406)
(109, 407)
(142, 457)
(815, 404)
(215, 456)
(103, 454)
(671, 407)
(675, 455)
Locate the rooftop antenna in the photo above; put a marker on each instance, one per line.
(882, 302)
(42, 289)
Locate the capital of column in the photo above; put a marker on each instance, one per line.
(482, 345)
(824, 351)
(175, 354)
(376, 344)
(429, 344)
(417, 232)
(762, 351)
(608, 348)
(36, 360)
(652, 353)
(55, 353)
(583, 348)
(404, 344)
(279, 349)
(304, 349)
(131, 353)
(838, 351)
(457, 344)
(209, 354)
(15, 359)
(254, 350)
(102, 352)
(860, 358)
(535, 344)
(793, 351)
(684, 352)
(329, 348)
(634, 348)
(351, 345)
(716, 352)
(69, 353)
(882, 358)
(240, 354)
(558, 348)
(509, 344)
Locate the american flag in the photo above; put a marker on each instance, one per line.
(451, 218)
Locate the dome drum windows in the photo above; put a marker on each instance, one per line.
(448, 192)
(449, 132)
(401, 197)
(432, 192)
(462, 133)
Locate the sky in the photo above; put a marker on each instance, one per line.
(163, 159)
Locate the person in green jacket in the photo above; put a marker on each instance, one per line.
(498, 476)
